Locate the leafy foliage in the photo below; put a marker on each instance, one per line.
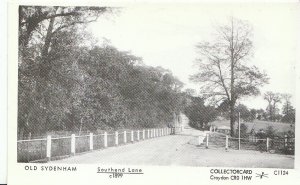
(66, 82)
(199, 114)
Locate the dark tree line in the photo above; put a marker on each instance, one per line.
(66, 82)
(198, 113)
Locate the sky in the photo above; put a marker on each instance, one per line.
(166, 35)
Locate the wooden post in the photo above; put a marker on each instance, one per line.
(116, 138)
(48, 148)
(73, 144)
(199, 140)
(91, 141)
(285, 140)
(138, 135)
(125, 137)
(207, 137)
(226, 145)
(148, 133)
(105, 139)
(132, 139)
(143, 134)
(267, 144)
(239, 122)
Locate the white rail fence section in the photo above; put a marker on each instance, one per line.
(277, 145)
(53, 148)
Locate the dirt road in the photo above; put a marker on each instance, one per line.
(180, 150)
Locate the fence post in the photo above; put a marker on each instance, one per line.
(105, 139)
(116, 138)
(199, 140)
(226, 145)
(125, 137)
(267, 144)
(48, 148)
(132, 136)
(154, 132)
(285, 140)
(73, 144)
(148, 134)
(138, 135)
(143, 134)
(207, 137)
(91, 141)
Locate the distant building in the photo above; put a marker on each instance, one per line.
(223, 129)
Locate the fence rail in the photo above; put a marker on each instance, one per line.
(284, 145)
(45, 149)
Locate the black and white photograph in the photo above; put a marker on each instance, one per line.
(195, 85)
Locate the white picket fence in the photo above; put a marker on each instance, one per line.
(89, 141)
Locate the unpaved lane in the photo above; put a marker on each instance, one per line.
(180, 150)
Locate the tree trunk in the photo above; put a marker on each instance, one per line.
(232, 119)
(232, 92)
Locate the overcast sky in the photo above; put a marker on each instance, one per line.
(166, 36)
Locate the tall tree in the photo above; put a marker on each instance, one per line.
(223, 69)
(273, 99)
(287, 107)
